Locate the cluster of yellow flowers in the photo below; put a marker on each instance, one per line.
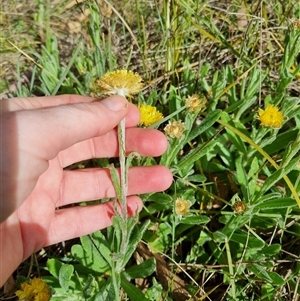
(35, 290)
(128, 83)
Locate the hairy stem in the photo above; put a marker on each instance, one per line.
(123, 171)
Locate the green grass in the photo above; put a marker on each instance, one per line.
(225, 161)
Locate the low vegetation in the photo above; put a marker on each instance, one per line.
(225, 76)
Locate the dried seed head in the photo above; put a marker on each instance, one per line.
(174, 129)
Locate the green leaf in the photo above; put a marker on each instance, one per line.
(252, 176)
(135, 238)
(105, 292)
(241, 178)
(195, 220)
(260, 272)
(161, 198)
(295, 229)
(206, 123)
(196, 154)
(249, 241)
(65, 274)
(269, 183)
(237, 141)
(66, 297)
(142, 270)
(291, 151)
(94, 252)
(159, 239)
(133, 292)
(292, 165)
(54, 266)
(233, 222)
(245, 104)
(276, 279)
(271, 250)
(154, 293)
(279, 203)
(116, 181)
(67, 69)
(90, 286)
(256, 76)
(196, 178)
(282, 140)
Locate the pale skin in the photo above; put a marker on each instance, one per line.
(40, 137)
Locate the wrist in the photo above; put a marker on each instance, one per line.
(11, 251)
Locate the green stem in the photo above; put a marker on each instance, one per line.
(124, 189)
(115, 282)
(123, 176)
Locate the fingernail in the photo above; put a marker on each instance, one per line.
(115, 103)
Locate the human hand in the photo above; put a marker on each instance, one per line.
(39, 138)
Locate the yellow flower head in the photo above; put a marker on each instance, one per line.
(149, 115)
(35, 290)
(182, 206)
(195, 103)
(174, 129)
(271, 117)
(121, 82)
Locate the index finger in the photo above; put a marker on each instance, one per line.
(47, 131)
(30, 103)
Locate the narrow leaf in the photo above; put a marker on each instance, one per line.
(196, 154)
(206, 123)
(279, 203)
(133, 292)
(195, 220)
(260, 272)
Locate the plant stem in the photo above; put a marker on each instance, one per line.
(124, 188)
(115, 282)
(123, 171)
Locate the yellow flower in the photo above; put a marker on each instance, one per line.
(195, 103)
(149, 115)
(271, 117)
(174, 129)
(121, 82)
(182, 206)
(35, 290)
